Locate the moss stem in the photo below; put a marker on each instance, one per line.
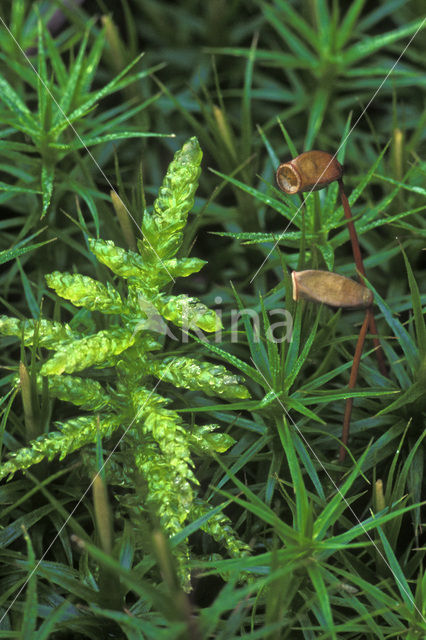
(356, 250)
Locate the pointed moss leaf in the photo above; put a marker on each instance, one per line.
(14, 102)
(47, 179)
(419, 320)
(19, 250)
(83, 392)
(16, 189)
(368, 45)
(162, 230)
(254, 237)
(90, 351)
(246, 369)
(77, 69)
(188, 313)
(123, 135)
(213, 379)
(327, 254)
(406, 398)
(86, 292)
(111, 87)
(220, 527)
(45, 333)
(404, 338)
(414, 188)
(121, 262)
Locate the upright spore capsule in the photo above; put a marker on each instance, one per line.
(310, 171)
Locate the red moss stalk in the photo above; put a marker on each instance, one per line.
(360, 267)
(352, 382)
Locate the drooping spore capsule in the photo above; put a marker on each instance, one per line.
(330, 288)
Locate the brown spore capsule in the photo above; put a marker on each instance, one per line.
(310, 171)
(330, 288)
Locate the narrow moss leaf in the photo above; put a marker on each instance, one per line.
(188, 313)
(124, 219)
(47, 179)
(213, 379)
(91, 351)
(86, 292)
(45, 333)
(14, 102)
(219, 526)
(162, 230)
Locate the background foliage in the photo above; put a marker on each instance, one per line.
(256, 82)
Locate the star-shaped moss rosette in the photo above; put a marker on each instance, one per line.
(158, 444)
